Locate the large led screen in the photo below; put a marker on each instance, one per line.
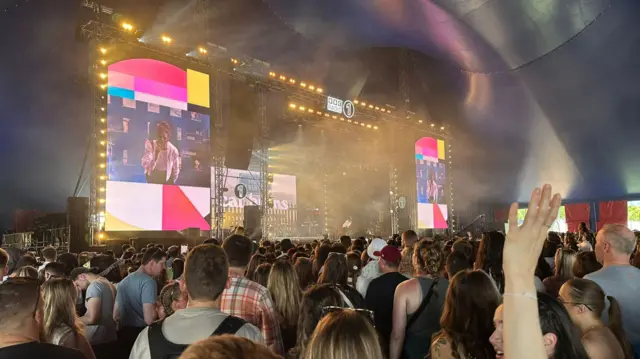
(431, 174)
(243, 189)
(158, 132)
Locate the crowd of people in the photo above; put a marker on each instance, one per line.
(534, 294)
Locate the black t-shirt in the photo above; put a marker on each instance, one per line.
(39, 350)
(379, 299)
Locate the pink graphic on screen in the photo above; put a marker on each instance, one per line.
(431, 179)
(152, 91)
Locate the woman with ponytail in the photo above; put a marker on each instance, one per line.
(418, 304)
(585, 302)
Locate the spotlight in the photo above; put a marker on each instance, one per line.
(166, 39)
(101, 236)
(202, 50)
(419, 121)
(103, 50)
(319, 90)
(432, 125)
(103, 76)
(102, 200)
(442, 128)
(292, 81)
(272, 74)
(375, 127)
(102, 120)
(102, 178)
(102, 165)
(355, 102)
(127, 26)
(302, 84)
(103, 62)
(292, 105)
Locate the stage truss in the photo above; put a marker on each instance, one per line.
(223, 67)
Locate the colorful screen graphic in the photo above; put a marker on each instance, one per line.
(243, 189)
(158, 132)
(431, 173)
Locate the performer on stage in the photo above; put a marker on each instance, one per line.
(432, 188)
(161, 160)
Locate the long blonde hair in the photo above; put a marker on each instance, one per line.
(564, 262)
(285, 290)
(344, 335)
(60, 296)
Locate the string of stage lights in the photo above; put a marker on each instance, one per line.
(363, 106)
(240, 66)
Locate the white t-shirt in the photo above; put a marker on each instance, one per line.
(585, 246)
(188, 326)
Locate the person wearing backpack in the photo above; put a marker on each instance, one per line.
(206, 275)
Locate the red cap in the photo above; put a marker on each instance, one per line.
(390, 254)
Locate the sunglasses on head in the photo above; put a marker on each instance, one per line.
(573, 303)
(367, 314)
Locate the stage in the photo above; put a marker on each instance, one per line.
(212, 140)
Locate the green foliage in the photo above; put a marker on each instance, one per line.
(634, 213)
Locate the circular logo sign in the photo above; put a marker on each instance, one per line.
(240, 191)
(402, 202)
(348, 109)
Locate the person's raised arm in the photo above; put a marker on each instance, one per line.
(522, 333)
(399, 321)
(150, 156)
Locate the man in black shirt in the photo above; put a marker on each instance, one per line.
(21, 317)
(381, 291)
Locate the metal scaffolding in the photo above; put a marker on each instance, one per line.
(262, 146)
(219, 140)
(99, 36)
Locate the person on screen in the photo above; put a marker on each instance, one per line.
(161, 160)
(432, 189)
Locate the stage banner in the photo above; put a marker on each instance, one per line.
(576, 213)
(613, 212)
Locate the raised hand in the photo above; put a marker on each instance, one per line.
(524, 243)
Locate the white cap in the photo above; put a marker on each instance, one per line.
(376, 245)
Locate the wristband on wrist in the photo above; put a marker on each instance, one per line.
(528, 295)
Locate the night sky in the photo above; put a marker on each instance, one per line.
(45, 102)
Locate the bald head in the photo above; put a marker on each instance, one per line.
(621, 238)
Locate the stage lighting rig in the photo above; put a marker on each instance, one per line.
(127, 27)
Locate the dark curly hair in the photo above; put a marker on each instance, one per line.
(467, 317)
(429, 258)
(489, 257)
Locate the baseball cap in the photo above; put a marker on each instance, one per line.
(376, 245)
(390, 254)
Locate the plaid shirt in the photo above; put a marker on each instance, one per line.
(250, 301)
